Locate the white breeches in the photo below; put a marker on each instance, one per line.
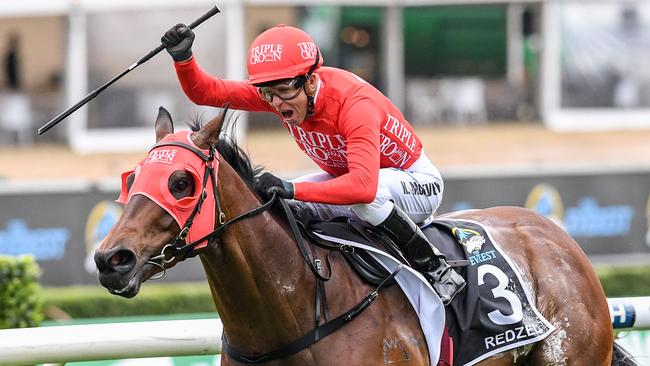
(417, 191)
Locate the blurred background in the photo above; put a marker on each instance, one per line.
(536, 103)
(444, 64)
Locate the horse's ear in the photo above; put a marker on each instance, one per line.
(209, 134)
(164, 124)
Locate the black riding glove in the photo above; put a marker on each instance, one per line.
(178, 42)
(269, 183)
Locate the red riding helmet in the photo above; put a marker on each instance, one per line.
(282, 52)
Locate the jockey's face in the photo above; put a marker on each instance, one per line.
(289, 98)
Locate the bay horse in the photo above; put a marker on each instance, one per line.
(264, 290)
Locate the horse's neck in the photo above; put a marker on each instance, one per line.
(259, 284)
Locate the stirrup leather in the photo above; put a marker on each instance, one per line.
(422, 256)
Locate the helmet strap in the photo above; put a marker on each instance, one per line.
(310, 104)
(315, 65)
(307, 76)
(310, 98)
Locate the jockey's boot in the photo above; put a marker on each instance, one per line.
(422, 255)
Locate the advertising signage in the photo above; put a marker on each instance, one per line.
(62, 229)
(607, 214)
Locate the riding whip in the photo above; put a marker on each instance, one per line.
(144, 59)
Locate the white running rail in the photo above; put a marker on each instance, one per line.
(68, 343)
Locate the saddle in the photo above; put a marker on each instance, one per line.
(369, 269)
(492, 314)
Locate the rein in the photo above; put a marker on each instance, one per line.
(176, 248)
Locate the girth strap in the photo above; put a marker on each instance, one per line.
(310, 338)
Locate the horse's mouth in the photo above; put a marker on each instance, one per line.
(115, 284)
(130, 290)
(127, 284)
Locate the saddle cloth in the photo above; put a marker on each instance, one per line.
(493, 314)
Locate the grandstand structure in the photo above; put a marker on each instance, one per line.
(442, 61)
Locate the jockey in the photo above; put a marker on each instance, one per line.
(374, 166)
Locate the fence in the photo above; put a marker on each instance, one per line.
(60, 344)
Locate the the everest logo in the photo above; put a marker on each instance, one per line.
(266, 53)
(307, 50)
(165, 156)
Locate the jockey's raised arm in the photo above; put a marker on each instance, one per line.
(374, 167)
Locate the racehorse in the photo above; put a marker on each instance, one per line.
(264, 283)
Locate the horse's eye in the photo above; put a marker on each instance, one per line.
(180, 184)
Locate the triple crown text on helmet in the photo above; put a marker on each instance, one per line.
(308, 50)
(273, 52)
(266, 53)
(282, 52)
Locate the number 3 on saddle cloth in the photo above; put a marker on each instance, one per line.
(493, 314)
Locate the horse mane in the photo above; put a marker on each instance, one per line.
(232, 153)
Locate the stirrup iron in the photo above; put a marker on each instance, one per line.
(446, 281)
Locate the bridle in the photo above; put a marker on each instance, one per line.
(178, 248)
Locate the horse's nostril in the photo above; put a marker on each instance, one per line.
(116, 259)
(122, 260)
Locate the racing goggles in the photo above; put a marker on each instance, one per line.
(286, 90)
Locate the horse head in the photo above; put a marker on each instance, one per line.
(169, 198)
